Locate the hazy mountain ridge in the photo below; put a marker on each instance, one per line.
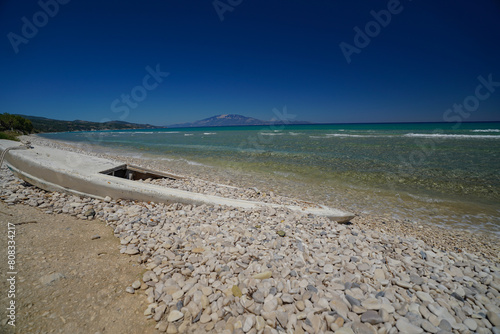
(42, 124)
(230, 120)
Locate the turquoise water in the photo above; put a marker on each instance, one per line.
(438, 172)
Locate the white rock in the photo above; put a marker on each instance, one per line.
(443, 313)
(344, 330)
(248, 324)
(49, 279)
(494, 318)
(471, 324)
(371, 304)
(270, 305)
(174, 316)
(328, 268)
(406, 327)
(379, 274)
(425, 297)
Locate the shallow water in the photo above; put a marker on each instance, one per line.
(425, 172)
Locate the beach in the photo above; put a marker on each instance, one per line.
(222, 269)
(428, 173)
(70, 276)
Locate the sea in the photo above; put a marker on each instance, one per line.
(444, 174)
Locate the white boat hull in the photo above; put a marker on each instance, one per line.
(63, 171)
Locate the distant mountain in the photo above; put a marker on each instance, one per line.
(230, 120)
(42, 124)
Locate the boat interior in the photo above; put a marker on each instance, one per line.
(137, 173)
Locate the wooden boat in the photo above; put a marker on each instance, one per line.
(74, 173)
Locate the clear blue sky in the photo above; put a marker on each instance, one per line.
(264, 54)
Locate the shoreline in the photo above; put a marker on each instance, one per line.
(221, 269)
(356, 174)
(446, 238)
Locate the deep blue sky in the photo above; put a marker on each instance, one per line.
(263, 55)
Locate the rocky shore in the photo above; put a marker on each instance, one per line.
(227, 270)
(231, 184)
(210, 188)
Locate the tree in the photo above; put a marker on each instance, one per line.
(15, 123)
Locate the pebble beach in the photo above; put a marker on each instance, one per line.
(227, 270)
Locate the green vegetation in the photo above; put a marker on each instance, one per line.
(43, 124)
(8, 135)
(12, 126)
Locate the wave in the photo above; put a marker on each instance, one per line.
(339, 135)
(188, 134)
(194, 163)
(189, 162)
(439, 135)
(486, 130)
(116, 133)
(347, 135)
(209, 133)
(270, 134)
(425, 199)
(295, 133)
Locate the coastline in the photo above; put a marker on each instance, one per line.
(221, 269)
(451, 239)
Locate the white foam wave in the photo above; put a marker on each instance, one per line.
(94, 133)
(114, 133)
(134, 155)
(188, 134)
(295, 133)
(347, 135)
(209, 133)
(426, 199)
(486, 130)
(194, 163)
(156, 132)
(439, 135)
(270, 134)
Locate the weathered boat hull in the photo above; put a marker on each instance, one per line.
(63, 171)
